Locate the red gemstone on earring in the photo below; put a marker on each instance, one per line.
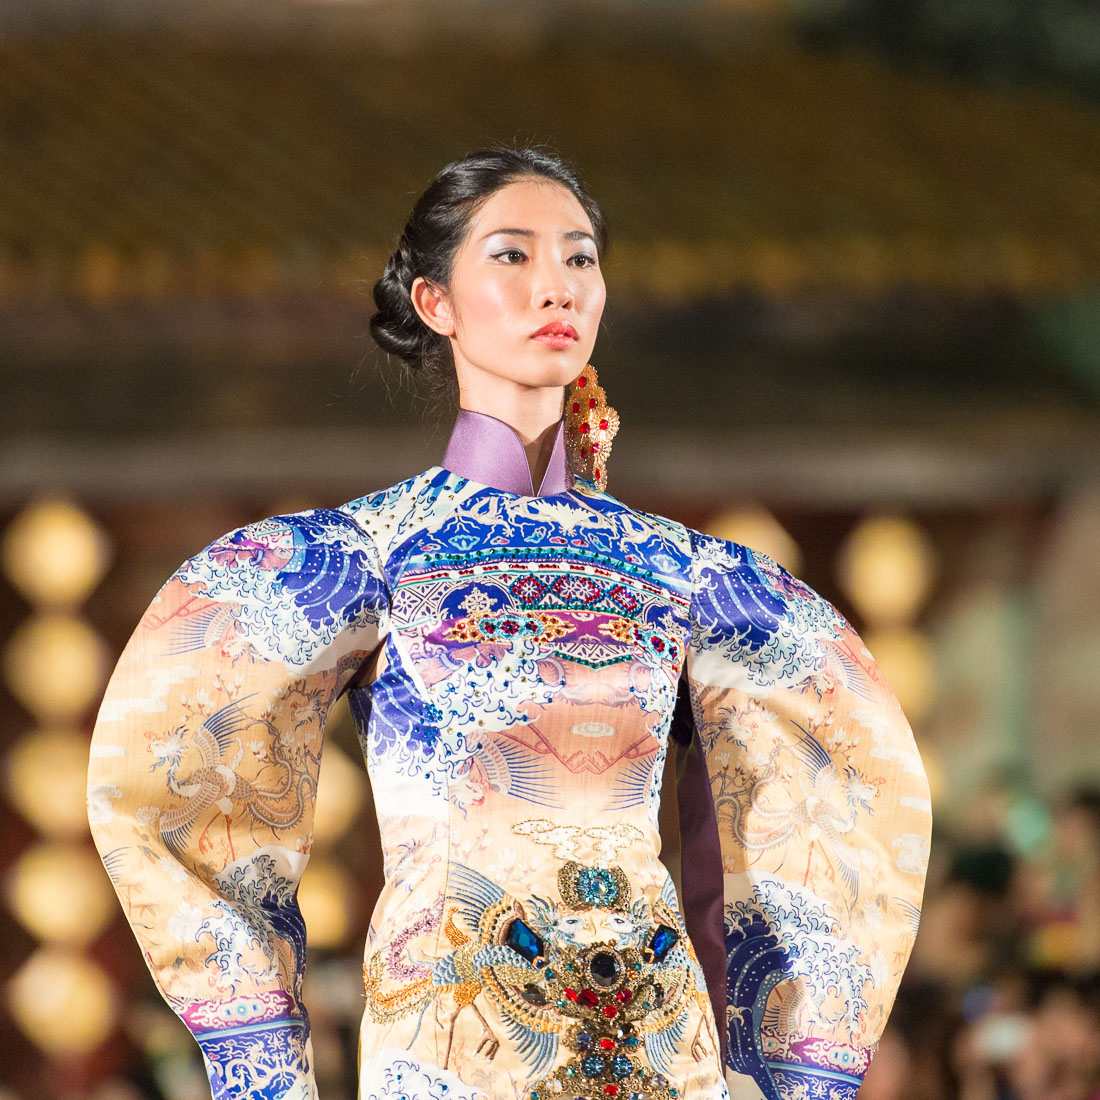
(584, 428)
(591, 402)
(576, 406)
(582, 381)
(603, 424)
(597, 475)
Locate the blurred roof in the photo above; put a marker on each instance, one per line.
(253, 157)
(836, 276)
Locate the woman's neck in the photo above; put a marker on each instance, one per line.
(533, 412)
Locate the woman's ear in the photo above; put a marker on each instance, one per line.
(433, 306)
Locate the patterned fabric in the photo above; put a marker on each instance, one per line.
(528, 942)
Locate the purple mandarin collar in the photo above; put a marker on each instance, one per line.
(489, 451)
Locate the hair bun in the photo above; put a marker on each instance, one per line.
(396, 326)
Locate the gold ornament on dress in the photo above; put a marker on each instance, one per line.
(591, 424)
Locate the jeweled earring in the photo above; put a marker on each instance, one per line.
(591, 424)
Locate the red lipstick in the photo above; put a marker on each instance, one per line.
(557, 334)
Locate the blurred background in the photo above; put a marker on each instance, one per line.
(853, 321)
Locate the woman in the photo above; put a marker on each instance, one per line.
(517, 660)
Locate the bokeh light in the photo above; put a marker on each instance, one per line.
(53, 553)
(907, 660)
(341, 792)
(55, 664)
(324, 896)
(62, 1001)
(755, 527)
(46, 778)
(60, 893)
(886, 568)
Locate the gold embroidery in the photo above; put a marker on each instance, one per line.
(385, 1007)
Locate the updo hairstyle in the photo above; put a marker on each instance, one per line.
(428, 244)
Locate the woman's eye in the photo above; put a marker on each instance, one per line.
(589, 261)
(508, 252)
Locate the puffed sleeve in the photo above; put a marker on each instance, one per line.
(203, 770)
(805, 820)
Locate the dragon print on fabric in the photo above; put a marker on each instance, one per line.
(529, 654)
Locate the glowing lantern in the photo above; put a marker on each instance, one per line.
(63, 1002)
(60, 893)
(46, 777)
(55, 665)
(54, 554)
(341, 792)
(908, 663)
(758, 529)
(886, 568)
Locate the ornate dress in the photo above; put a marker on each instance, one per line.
(541, 652)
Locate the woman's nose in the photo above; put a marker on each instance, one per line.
(552, 286)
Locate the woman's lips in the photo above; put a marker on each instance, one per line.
(557, 334)
(555, 339)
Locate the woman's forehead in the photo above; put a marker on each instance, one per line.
(535, 205)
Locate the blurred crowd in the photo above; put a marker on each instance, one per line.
(1002, 997)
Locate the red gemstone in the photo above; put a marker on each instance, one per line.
(582, 381)
(603, 423)
(624, 995)
(589, 997)
(607, 1044)
(584, 428)
(611, 1090)
(576, 406)
(610, 1010)
(597, 475)
(591, 402)
(570, 993)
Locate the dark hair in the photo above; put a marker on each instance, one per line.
(436, 228)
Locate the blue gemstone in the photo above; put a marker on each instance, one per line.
(605, 968)
(523, 940)
(583, 1041)
(592, 1065)
(597, 887)
(663, 941)
(621, 1066)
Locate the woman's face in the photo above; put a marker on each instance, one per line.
(529, 259)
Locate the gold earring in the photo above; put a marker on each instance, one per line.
(591, 424)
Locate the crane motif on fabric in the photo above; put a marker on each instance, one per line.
(608, 979)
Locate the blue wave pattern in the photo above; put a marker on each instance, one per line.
(295, 581)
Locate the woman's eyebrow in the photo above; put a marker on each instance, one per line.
(569, 234)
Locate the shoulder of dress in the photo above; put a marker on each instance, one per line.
(716, 559)
(295, 582)
(668, 527)
(281, 545)
(388, 515)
